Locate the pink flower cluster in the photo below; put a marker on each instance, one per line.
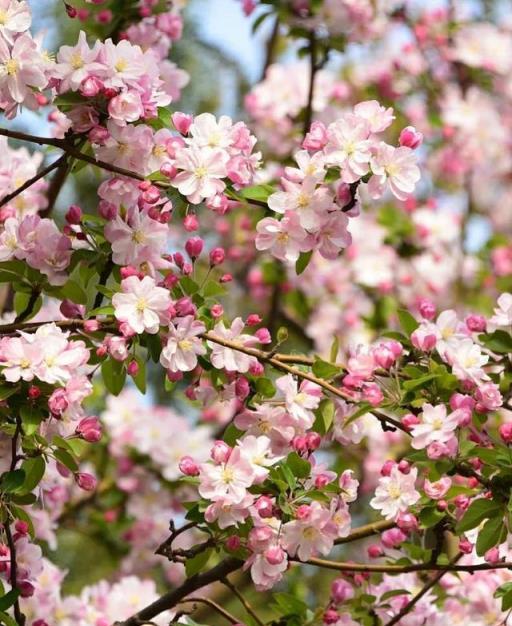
(315, 215)
(38, 242)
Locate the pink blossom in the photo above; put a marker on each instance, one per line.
(227, 358)
(183, 345)
(395, 493)
(141, 304)
(435, 426)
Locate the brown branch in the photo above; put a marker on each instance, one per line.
(77, 154)
(340, 566)
(243, 601)
(49, 168)
(211, 603)
(172, 598)
(425, 589)
(366, 531)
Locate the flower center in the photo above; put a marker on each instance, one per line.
(138, 236)
(11, 67)
(302, 201)
(141, 305)
(76, 61)
(200, 171)
(228, 475)
(3, 17)
(121, 65)
(185, 344)
(394, 491)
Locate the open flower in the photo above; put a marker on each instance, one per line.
(142, 305)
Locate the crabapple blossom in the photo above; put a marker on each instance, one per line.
(141, 304)
(183, 345)
(435, 426)
(395, 493)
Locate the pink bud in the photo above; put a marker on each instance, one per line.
(190, 223)
(343, 194)
(404, 467)
(427, 309)
(465, 546)
(217, 256)
(174, 376)
(104, 16)
(492, 555)
(21, 527)
(85, 481)
(58, 402)
(256, 368)
(462, 501)
(91, 87)
(410, 137)
(233, 543)
(91, 326)
(253, 320)
(182, 122)
(275, 555)
(299, 444)
(74, 214)
(226, 278)
(321, 480)
(184, 306)
(393, 537)
(263, 335)
(71, 310)
(341, 591)
(316, 138)
(242, 388)
(441, 505)
(407, 522)
(188, 466)
(330, 616)
(375, 551)
(303, 512)
(505, 431)
(476, 323)
(133, 368)
(25, 588)
(89, 428)
(34, 392)
(220, 451)
(422, 341)
(410, 420)
(194, 247)
(385, 470)
(313, 441)
(264, 506)
(217, 310)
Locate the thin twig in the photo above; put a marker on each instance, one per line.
(425, 589)
(49, 168)
(211, 603)
(243, 601)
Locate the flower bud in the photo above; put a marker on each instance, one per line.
(313, 441)
(263, 335)
(74, 214)
(410, 137)
(385, 470)
(71, 310)
(465, 546)
(58, 402)
(275, 555)
(476, 323)
(407, 522)
(91, 326)
(182, 122)
(427, 309)
(316, 138)
(133, 368)
(393, 537)
(220, 451)
(188, 466)
(253, 320)
(217, 256)
(34, 392)
(233, 543)
(492, 556)
(331, 616)
(194, 247)
(86, 481)
(89, 429)
(341, 591)
(264, 506)
(375, 551)
(303, 512)
(191, 223)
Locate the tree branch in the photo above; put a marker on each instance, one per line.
(231, 618)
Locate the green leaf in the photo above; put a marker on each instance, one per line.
(418, 383)
(288, 604)
(505, 593)
(198, 562)
(165, 116)
(34, 469)
(189, 286)
(430, 516)
(114, 375)
(324, 416)
(407, 321)
(12, 481)
(140, 379)
(265, 387)
(477, 511)
(71, 291)
(7, 392)
(299, 466)
(7, 620)
(325, 370)
(490, 535)
(9, 599)
(498, 341)
(260, 193)
(393, 593)
(303, 261)
(214, 289)
(66, 459)
(335, 346)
